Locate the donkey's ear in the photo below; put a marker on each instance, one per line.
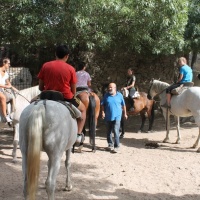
(159, 79)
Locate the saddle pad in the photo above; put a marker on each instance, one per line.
(75, 112)
(136, 95)
(79, 92)
(51, 95)
(178, 90)
(58, 96)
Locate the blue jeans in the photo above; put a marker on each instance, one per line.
(113, 126)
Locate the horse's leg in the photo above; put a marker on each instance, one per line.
(143, 117)
(167, 119)
(150, 113)
(197, 142)
(177, 120)
(122, 127)
(79, 150)
(68, 186)
(15, 142)
(53, 169)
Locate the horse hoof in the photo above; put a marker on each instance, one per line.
(68, 188)
(79, 150)
(14, 160)
(139, 131)
(121, 136)
(165, 141)
(94, 150)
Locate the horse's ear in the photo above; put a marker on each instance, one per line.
(152, 80)
(159, 79)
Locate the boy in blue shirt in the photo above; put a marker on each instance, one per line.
(185, 75)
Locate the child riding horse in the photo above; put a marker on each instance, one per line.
(141, 105)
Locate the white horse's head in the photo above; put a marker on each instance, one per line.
(151, 91)
(156, 87)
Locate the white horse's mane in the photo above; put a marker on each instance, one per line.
(159, 85)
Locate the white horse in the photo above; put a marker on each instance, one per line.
(23, 99)
(184, 105)
(45, 125)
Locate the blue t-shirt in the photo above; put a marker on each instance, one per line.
(113, 106)
(186, 71)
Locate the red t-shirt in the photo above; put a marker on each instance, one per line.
(58, 75)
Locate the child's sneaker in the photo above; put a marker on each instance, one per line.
(8, 119)
(80, 138)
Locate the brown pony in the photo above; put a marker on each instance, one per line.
(142, 105)
(92, 104)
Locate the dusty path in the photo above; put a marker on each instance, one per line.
(169, 172)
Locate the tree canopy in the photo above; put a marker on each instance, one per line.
(150, 27)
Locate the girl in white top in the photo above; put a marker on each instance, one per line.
(83, 77)
(5, 84)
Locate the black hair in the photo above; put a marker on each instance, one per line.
(81, 65)
(62, 50)
(131, 69)
(4, 61)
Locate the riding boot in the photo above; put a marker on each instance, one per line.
(131, 103)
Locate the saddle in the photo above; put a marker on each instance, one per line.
(134, 94)
(58, 96)
(181, 88)
(79, 90)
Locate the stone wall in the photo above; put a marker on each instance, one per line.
(196, 71)
(107, 71)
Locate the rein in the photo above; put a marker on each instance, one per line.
(14, 92)
(22, 96)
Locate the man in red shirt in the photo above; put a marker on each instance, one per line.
(59, 76)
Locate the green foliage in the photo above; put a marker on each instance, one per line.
(192, 33)
(139, 26)
(154, 26)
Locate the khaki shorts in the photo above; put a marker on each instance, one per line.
(75, 101)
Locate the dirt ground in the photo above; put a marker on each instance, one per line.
(170, 171)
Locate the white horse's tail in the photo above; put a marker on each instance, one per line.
(35, 127)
